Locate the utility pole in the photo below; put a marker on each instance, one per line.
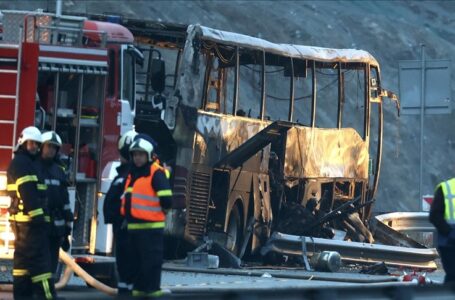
(422, 115)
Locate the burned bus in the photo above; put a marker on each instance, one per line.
(261, 137)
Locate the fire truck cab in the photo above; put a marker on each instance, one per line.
(76, 77)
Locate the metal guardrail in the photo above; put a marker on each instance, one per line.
(402, 251)
(407, 221)
(353, 251)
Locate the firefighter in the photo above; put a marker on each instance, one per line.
(111, 210)
(51, 170)
(32, 274)
(442, 215)
(146, 198)
(167, 169)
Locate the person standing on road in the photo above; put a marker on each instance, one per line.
(52, 172)
(442, 216)
(32, 274)
(111, 210)
(147, 196)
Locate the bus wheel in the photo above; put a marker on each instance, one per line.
(234, 231)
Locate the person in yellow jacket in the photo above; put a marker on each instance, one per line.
(442, 216)
(146, 198)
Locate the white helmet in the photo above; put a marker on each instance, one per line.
(142, 145)
(125, 142)
(30, 133)
(51, 137)
(126, 139)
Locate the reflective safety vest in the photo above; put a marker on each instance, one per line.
(145, 203)
(448, 189)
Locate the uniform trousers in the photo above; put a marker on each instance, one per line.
(32, 274)
(146, 246)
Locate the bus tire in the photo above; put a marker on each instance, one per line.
(234, 231)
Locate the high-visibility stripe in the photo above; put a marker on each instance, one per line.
(41, 187)
(20, 217)
(11, 187)
(129, 189)
(59, 222)
(47, 219)
(27, 178)
(124, 285)
(151, 225)
(143, 207)
(448, 187)
(46, 288)
(156, 294)
(164, 193)
(14, 187)
(20, 272)
(41, 277)
(52, 182)
(145, 197)
(167, 173)
(451, 196)
(137, 293)
(36, 212)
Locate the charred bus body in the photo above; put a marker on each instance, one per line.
(261, 137)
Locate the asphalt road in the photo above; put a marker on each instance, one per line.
(183, 281)
(244, 281)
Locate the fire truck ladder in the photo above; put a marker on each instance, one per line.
(10, 67)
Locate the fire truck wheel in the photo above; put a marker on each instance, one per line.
(234, 231)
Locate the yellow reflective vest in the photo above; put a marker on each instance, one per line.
(448, 190)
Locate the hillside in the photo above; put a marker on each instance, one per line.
(390, 30)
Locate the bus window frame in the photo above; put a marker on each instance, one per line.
(313, 65)
(366, 120)
(291, 91)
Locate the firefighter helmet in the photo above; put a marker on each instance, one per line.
(147, 138)
(125, 142)
(30, 133)
(142, 145)
(51, 137)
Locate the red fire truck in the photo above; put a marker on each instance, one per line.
(76, 77)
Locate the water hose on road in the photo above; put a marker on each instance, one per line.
(74, 267)
(63, 281)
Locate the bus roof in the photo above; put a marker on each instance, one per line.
(295, 51)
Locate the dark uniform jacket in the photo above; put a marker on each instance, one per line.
(159, 183)
(437, 219)
(22, 177)
(437, 213)
(112, 201)
(58, 206)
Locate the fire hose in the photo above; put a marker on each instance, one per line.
(72, 266)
